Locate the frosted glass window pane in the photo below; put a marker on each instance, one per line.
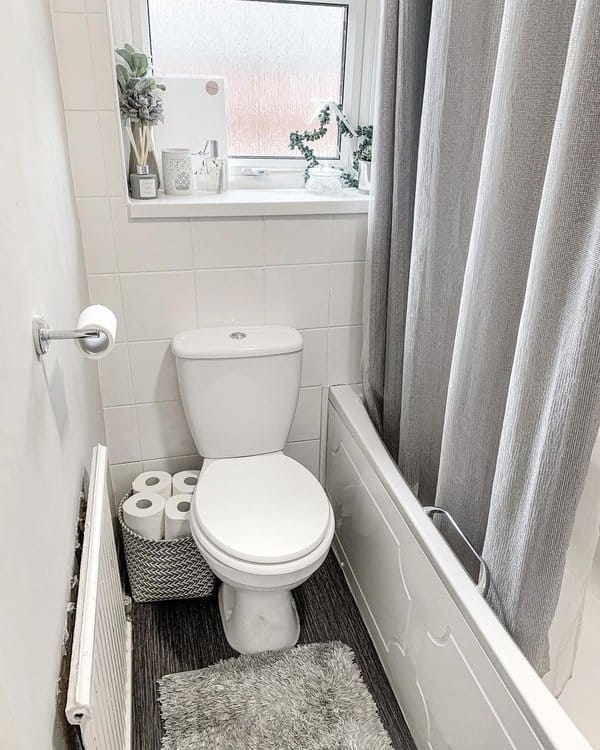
(277, 57)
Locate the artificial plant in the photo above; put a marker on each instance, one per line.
(362, 152)
(140, 100)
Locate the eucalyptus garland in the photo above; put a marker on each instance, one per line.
(300, 140)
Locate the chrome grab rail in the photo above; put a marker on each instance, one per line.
(484, 572)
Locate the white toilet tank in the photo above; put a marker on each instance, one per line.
(239, 387)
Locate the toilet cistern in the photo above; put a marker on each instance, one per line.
(261, 520)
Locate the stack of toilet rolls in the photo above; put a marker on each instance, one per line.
(160, 505)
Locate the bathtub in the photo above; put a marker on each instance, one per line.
(458, 676)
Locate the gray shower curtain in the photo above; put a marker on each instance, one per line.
(482, 356)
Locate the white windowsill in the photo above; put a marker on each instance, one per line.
(249, 202)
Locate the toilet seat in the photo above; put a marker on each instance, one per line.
(264, 510)
(261, 571)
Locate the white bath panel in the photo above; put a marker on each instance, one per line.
(460, 680)
(443, 669)
(361, 526)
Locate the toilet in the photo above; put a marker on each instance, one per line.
(261, 520)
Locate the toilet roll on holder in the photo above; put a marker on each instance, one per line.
(91, 340)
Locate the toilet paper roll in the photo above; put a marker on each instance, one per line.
(177, 516)
(158, 482)
(184, 482)
(102, 319)
(144, 513)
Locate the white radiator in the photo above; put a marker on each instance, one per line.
(99, 695)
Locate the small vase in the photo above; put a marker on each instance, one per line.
(152, 163)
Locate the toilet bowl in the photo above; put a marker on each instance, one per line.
(260, 519)
(264, 526)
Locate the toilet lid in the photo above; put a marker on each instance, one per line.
(265, 508)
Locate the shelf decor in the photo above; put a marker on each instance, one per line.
(361, 153)
(141, 108)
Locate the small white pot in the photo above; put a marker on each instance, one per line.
(364, 177)
(177, 171)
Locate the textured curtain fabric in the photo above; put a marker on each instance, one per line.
(483, 313)
(403, 39)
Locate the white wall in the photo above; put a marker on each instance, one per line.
(50, 409)
(161, 277)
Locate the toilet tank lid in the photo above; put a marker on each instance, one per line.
(236, 342)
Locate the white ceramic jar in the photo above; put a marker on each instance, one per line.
(177, 171)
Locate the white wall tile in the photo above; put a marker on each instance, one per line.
(347, 281)
(158, 305)
(349, 237)
(112, 152)
(314, 357)
(97, 235)
(225, 243)
(153, 371)
(297, 295)
(306, 453)
(122, 476)
(122, 434)
(102, 60)
(115, 378)
(68, 6)
(230, 296)
(163, 430)
(174, 464)
(74, 63)
(86, 154)
(344, 352)
(302, 240)
(150, 245)
(307, 420)
(106, 290)
(98, 6)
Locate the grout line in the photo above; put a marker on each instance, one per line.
(196, 297)
(88, 109)
(84, 12)
(231, 325)
(194, 455)
(178, 400)
(193, 268)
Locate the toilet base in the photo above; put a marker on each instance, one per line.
(256, 621)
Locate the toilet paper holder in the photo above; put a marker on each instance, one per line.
(91, 340)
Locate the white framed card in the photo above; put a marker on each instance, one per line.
(194, 108)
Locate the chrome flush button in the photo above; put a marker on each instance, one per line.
(237, 335)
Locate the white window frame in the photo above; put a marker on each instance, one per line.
(361, 34)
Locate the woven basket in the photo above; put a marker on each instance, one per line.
(164, 568)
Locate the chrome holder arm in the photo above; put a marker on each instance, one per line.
(42, 335)
(484, 572)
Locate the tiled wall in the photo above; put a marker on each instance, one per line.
(170, 276)
(164, 276)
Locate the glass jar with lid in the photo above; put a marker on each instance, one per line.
(324, 180)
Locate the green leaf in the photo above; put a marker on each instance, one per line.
(125, 54)
(139, 64)
(122, 75)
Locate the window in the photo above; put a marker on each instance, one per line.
(281, 58)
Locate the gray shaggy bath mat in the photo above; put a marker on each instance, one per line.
(308, 698)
